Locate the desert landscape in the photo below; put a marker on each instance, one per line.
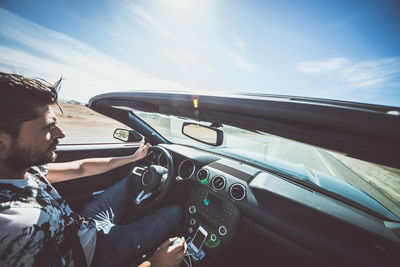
(83, 125)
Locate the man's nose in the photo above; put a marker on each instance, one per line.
(58, 133)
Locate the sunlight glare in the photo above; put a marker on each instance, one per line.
(181, 5)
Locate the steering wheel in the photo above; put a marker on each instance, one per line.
(148, 185)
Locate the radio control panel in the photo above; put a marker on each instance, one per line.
(216, 214)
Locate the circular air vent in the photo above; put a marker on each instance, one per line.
(237, 191)
(202, 175)
(218, 182)
(162, 160)
(186, 169)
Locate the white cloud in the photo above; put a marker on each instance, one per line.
(240, 43)
(371, 73)
(140, 22)
(49, 54)
(239, 61)
(360, 74)
(145, 18)
(322, 66)
(188, 55)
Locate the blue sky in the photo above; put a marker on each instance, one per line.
(346, 50)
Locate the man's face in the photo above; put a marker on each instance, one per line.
(37, 141)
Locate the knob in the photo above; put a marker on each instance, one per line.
(213, 237)
(190, 230)
(192, 209)
(192, 221)
(222, 230)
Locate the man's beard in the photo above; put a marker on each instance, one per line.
(26, 157)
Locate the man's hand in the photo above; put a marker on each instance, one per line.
(142, 152)
(169, 256)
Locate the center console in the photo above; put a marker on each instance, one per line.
(215, 214)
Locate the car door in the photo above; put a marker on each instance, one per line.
(80, 191)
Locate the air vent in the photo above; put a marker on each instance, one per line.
(218, 183)
(202, 175)
(237, 191)
(186, 169)
(162, 160)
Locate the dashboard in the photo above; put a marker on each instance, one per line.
(227, 194)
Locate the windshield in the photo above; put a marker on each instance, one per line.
(308, 162)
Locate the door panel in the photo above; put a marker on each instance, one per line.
(79, 191)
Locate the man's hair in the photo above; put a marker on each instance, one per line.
(20, 98)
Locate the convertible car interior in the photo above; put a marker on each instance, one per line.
(241, 209)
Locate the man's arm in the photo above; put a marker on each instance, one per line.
(59, 172)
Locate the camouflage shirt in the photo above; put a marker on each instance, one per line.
(35, 222)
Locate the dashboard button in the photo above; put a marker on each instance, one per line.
(213, 237)
(192, 209)
(222, 230)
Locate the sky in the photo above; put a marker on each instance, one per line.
(346, 50)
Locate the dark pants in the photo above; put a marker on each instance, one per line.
(121, 245)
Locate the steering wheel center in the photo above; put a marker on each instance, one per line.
(151, 178)
(147, 179)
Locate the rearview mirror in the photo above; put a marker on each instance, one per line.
(202, 133)
(127, 135)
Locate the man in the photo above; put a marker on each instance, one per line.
(37, 227)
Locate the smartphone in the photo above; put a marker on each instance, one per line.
(198, 239)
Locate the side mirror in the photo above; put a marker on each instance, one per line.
(127, 135)
(202, 133)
